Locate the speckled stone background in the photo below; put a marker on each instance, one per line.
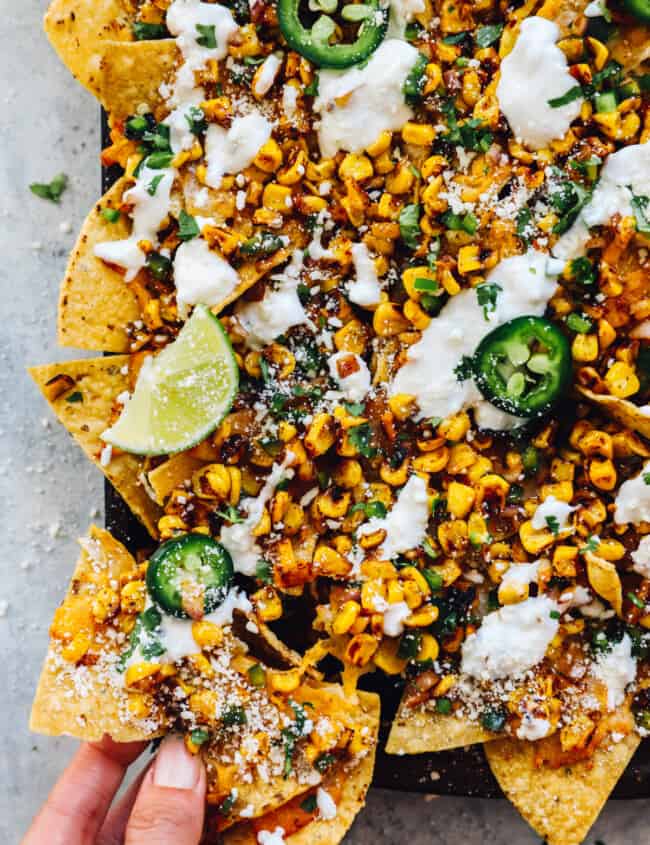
(49, 493)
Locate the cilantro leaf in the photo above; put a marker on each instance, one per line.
(50, 190)
(360, 436)
(465, 368)
(460, 222)
(553, 524)
(641, 213)
(153, 185)
(309, 804)
(487, 294)
(188, 228)
(196, 120)
(487, 35)
(206, 37)
(149, 31)
(409, 225)
(111, 215)
(414, 83)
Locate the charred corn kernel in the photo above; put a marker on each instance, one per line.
(585, 347)
(389, 206)
(418, 134)
(360, 649)
(434, 78)
(429, 648)
(422, 618)
(394, 592)
(286, 431)
(611, 550)
(412, 595)
(471, 90)
(321, 435)
(602, 474)
(388, 320)
(207, 634)
(416, 315)
(433, 166)
(218, 477)
(468, 259)
(332, 506)
(279, 506)
(293, 518)
(78, 646)
(346, 617)
(402, 405)
(454, 428)
(535, 541)
(133, 597)
(139, 705)
(312, 205)
(269, 157)
(351, 337)
(491, 486)
(202, 665)
(513, 592)
(478, 468)
(444, 685)
(277, 198)
(384, 163)
(622, 381)
(263, 526)
(283, 681)
(331, 563)
(348, 474)
(292, 174)
(204, 703)
(606, 334)
(477, 529)
(373, 594)
(562, 490)
(268, 604)
(140, 674)
(357, 167)
(449, 571)
(395, 477)
(411, 274)
(596, 442)
(387, 660)
(106, 602)
(498, 568)
(401, 179)
(432, 461)
(564, 561)
(460, 498)
(168, 526)
(380, 145)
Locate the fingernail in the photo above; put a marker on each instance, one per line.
(175, 767)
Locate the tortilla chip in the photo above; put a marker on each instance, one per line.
(625, 412)
(76, 700)
(129, 74)
(559, 804)
(418, 731)
(355, 784)
(79, 29)
(631, 47)
(95, 304)
(87, 392)
(168, 475)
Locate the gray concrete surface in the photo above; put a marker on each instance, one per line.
(48, 492)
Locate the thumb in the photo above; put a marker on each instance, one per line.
(170, 806)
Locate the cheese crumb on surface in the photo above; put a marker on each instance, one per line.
(633, 499)
(616, 669)
(553, 514)
(326, 804)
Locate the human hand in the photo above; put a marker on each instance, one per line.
(164, 806)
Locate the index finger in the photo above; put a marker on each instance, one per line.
(76, 806)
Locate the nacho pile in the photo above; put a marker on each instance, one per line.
(379, 281)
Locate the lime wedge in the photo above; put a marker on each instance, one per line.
(182, 394)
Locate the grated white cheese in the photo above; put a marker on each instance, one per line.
(266, 75)
(326, 804)
(394, 616)
(265, 837)
(616, 669)
(533, 728)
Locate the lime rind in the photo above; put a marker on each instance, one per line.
(182, 394)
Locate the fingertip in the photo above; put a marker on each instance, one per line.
(175, 767)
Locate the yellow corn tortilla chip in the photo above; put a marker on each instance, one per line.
(418, 731)
(77, 701)
(95, 303)
(171, 473)
(631, 47)
(95, 383)
(559, 804)
(355, 787)
(622, 410)
(79, 29)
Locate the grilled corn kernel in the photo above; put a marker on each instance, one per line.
(585, 347)
(424, 617)
(429, 648)
(454, 428)
(622, 381)
(602, 474)
(418, 134)
(283, 681)
(402, 405)
(513, 592)
(267, 604)
(360, 649)
(348, 474)
(387, 660)
(133, 597)
(207, 634)
(346, 617)
(388, 320)
(330, 563)
(460, 498)
(277, 198)
(401, 179)
(321, 435)
(432, 462)
(139, 675)
(380, 145)
(269, 157)
(357, 167)
(535, 541)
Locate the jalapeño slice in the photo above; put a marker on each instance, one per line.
(523, 366)
(314, 43)
(639, 8)
(189, 576)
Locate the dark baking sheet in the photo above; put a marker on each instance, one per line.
(462, 772)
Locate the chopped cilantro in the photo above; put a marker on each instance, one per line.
(196, 120)
(636, 601)
(188, 228)
(578, 324)
(149, 31)
(355, 409)
(264, 368)
(309, 804)
(323, 763)
(206, 36)
(143, 637)
(409, 225)
(640, 208)
(487, 35)
(525, 225)
(487, 294)
(433, 579)
(471, 134)
(530, 460)
(583, 271)
(311, 90)
(460, 222)
(153, 185)
(199, 736)
(233, 715)
(256, 675)
(591, 545)
(414, 83)
(567, 199)
(111, 215)
(50, 190)
(76, 396)
(262, 244)
(159, 161)
(553, 524)
(412, 31)
(494, 720)
(588, 167)
(456, 38)
(443, 706)
(291, 735)
(409, 645)
(263, 571)
(231, 514)
(372, 510)
(555, 614)
(228, 803)
(464, 369)
(360, 436)
(611, 71)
